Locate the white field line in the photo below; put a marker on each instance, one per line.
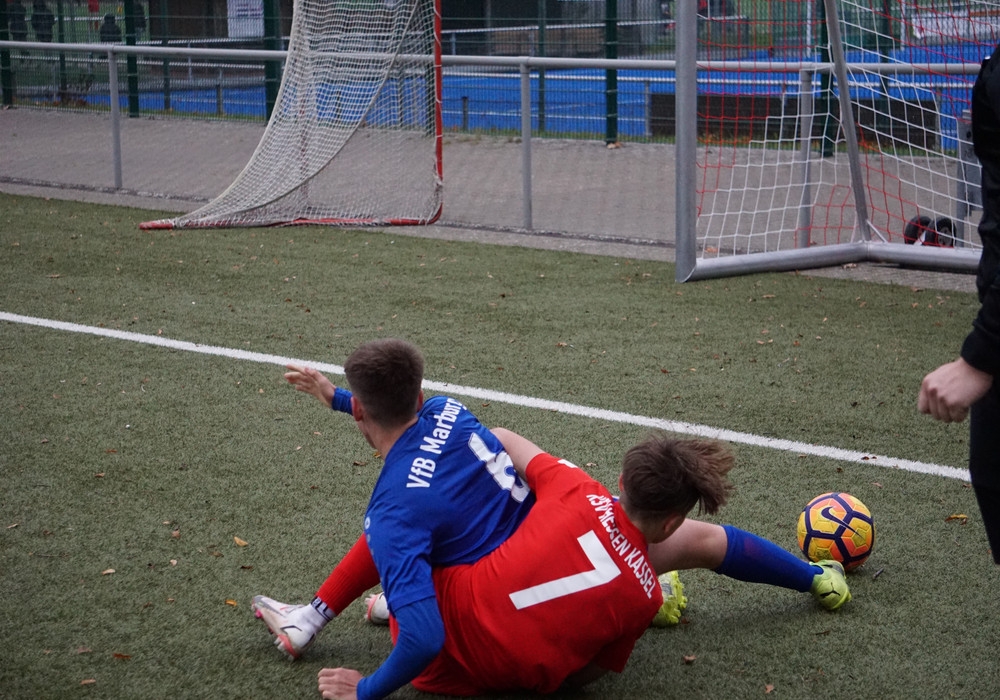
(801, 448)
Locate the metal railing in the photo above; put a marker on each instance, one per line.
(799, 73)
(524, 65)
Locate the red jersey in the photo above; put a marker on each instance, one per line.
(573, 585)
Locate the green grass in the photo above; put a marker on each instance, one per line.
(111, 447)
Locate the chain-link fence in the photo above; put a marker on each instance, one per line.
(568, 103)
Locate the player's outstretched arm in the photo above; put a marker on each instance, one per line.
(311, 381)
(520, 449)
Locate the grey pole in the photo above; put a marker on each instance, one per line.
(526, 143)
(116, 132)
(686, 131)
(804, 169)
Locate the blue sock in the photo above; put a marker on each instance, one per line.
(756, 560)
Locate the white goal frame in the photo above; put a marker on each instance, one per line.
(791, 247)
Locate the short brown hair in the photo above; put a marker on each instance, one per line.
(663, 476)
(385, 376)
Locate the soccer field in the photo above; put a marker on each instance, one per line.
(148, 428)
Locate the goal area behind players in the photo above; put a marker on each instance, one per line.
(355, 134)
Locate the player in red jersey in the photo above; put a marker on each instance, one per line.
(508, 617)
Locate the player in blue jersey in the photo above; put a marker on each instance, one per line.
(448, 494)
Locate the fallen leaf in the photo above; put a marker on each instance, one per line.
(689, 658)
(176, 534)
(83, 650)
(240, 542)
(768, 689)
(230, 601)
(121, 656)
(173, 562)
(957, 516)
(12, 526)
(88, 681)
(107, 572)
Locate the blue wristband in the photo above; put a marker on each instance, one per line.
(341, 400)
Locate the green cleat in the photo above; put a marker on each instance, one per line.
(674, 601)
(830, 585)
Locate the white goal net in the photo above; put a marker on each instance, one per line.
(833, 132)
(354, 137)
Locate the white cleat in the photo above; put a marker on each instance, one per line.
(291, 635)
(377, 610)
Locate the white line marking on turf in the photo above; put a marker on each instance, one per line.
(517, 400)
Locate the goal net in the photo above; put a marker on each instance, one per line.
(833, 132)
(354, 137)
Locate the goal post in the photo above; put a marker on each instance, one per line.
(355, 134)
(821, 133)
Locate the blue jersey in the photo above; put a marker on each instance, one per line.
(447, 494)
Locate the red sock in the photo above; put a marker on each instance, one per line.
(354, 575)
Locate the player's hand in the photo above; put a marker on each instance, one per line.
(310, 381)
(339, 683)
(949, 391)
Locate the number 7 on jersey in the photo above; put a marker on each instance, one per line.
(604, 571)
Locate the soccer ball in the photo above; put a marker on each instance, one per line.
(837, 526)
